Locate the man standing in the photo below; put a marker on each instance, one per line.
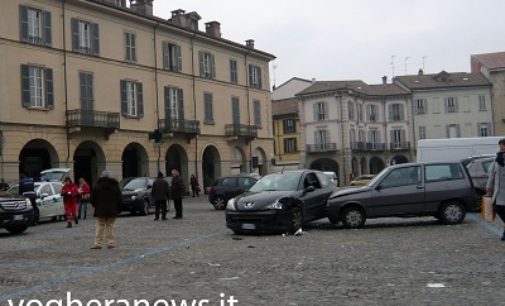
(27, 189)
(160, 194)
(106, 199)
(177, 192)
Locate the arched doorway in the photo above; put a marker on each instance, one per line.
(262, 164)
(354, 167)
(326, 164)
(176, 158)
(36, 156)
(363, 166)
(399, 159)
(89, 161)
(211, 165)
(238, 161)
(135, 161)
(376, 165)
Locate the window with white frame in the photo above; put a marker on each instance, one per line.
(254, 76)
(484, 129)
(422, 132)
(451, 105)
(84, 35)
(350, 106)
(321, 137)
(131, 90)
(374, 136)
(37, 87)
(482, 103)
(233, 72)
(130, 45)
(396, 112)
(398, 138)
(372, 113)
(35, 26)
(172, 57)
(207, 65)
(290, 145)
(132, 104)
(320, 111)
(359, 113)
(421, 106)
(289, 126)
(453, 131)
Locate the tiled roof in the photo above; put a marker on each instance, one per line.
(285, 107)
(355, 85)
(443, 80)
(491, 60)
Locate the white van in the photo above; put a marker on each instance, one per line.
(455, 149)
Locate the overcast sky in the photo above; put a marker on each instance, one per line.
(355, 39)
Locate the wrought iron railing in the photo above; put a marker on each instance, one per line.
(321, 147)
(180, 126)
(375, 146)
(241, 130)
(399, 146)
(91, 118)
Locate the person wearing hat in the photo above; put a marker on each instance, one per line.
(160, 194)
(106, 199)
(496, 183)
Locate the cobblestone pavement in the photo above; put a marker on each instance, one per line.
(390, 262)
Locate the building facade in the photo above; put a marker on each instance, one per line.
(353, 128)
(83, 83)
(450, 105)
(492, 65)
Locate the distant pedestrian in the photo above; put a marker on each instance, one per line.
(3, 185)
(106, 199)
(177, 192)
(496, 183)
(160, 194)
(70, 194)
(85, 195)
(195, 187)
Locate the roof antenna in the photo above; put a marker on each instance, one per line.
(275, 75)
(406, 60)
(393, 66)
(424, 59)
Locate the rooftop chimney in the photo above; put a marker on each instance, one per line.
(192, 19)
(213, 28)
(120, 3)
(420, 72)
(313, 80)
(249, 43)
(178, 17)
(143, 7)
(384, 80)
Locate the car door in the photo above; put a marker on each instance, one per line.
(400, 192)
(59, 208)
(313, 200)
(44, 201)
(230, 187)
(441, 181)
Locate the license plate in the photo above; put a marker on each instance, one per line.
(18, 217)
(248, 226)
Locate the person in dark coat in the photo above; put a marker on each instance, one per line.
(177, 192)
(106, 199)
(195, 187)
(160, 194)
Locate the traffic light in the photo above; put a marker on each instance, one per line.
(156, 136)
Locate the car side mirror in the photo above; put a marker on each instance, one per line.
(309, 189)
(378, 188)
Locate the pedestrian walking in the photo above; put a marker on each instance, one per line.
(70, 194)
(106, 199)
(195, 187)
(85, 195)
(496, 183)
(177, 192)
(160, 194)
(3, 185)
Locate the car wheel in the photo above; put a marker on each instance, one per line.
(219, 203)
(353, 217)
(452, 213)
(16, 229)
(296, 222)
(146, 208)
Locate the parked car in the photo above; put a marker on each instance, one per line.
(48, 200)
(228, 187)
(16, 212)
(280, 202)
(362, 180)
(478, 167)
(55, 174)
(442, 190)
(136, 192)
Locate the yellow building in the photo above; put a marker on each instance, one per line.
(286, 133)
(83, 83)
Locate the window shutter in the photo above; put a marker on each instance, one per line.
(89, 87)
(140, 100)
(446, 105)
(378, 138)
(317, 140)
(257, 113)
(403, 138)
(127, 46)
(83, 88)
(202, 66)
(168, 105)
(391, 111)
(23, 19)
(392, 136)
(48, 39)
(402, 112)
(456, 105)
(315, 111)
(124, 98)
(25, 85)
(180, 103)
(75, 35)
(213, 66)
(48, 76)
(165, 55)
(133, 44)
(251, 75)
(259, 77)
(368, 112)
(96, 39)
(179, 58)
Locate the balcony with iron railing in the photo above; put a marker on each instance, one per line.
(399, 146)
(241, 130)
(180, 126)
(80, 118)
(321, 148)
(358, 146)
(375, 147)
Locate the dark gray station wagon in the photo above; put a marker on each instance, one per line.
(442, 190)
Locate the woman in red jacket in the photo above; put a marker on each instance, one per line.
(70, 194)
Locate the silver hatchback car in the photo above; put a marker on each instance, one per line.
(442, 190)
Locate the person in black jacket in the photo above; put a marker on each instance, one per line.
(160, 194)
(106, 199)
(177, 192)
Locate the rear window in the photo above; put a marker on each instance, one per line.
(443, 172)
(228, 182)
(246, 182)
(486, 165)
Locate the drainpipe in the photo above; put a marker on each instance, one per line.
(248, 91)
(65, 81)
(194, 98)
(343, 142)
(156, 85)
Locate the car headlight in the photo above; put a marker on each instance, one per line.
(231, 204)
(134, 198)
(28, 203)
(277, 205)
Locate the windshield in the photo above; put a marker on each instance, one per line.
(278, 182)
(53, 176)
(134, 184)
(377, 178)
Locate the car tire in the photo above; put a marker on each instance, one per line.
(146, 207)
(219, 203)
(296, 219)
(452, 213)
(16, 229)
(353, 217)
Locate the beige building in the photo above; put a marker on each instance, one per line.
(352, 128)
(492, 65)
(83, 83)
